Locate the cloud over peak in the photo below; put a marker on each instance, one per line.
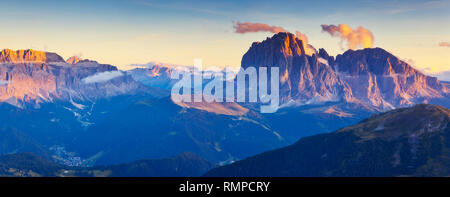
(444, 44)
(246, 27)
(102, 77)
(358, 38)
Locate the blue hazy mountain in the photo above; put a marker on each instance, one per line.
(155, 128)
(403, 142)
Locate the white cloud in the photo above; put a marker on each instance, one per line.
(179, 67)
(102, 77)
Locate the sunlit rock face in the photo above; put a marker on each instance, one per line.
(24, 56)
(26, 81)
(303, 79)
(371, 77)
(73, 60)
(28, 76)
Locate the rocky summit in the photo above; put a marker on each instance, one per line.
(28, 56)
(73, 60)
(403, 142)
(372, 77)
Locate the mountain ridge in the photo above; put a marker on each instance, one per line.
(88, 117)
(370, 76)
(30, 77)
(410, 141)
(31, 165)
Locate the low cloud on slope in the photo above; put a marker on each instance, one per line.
(102, 77)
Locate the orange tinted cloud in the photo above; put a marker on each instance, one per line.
(246, 27)
(444, 44)
(304, 38)
(358, 38)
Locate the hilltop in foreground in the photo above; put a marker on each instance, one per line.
(31, 165)
(404, 142)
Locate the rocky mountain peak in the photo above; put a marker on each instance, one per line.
(33, 77)
(371, 77)
(372, 60)
(28, 55)
(281, 47)
(74, 60)
(304, 79)
(380, 78)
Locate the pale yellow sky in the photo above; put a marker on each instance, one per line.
(125, 32)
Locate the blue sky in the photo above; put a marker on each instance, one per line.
(137, 31)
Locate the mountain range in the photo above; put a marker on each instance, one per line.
(402, 142)
(82, 113)
(371, 77)
(34, 77)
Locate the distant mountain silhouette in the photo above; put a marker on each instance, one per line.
(403, 142)
(31, 165)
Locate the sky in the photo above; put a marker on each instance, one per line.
(125, 32)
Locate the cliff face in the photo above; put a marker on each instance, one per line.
(303, 79)
(26, 82)
(380, 78)
(370, 77)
